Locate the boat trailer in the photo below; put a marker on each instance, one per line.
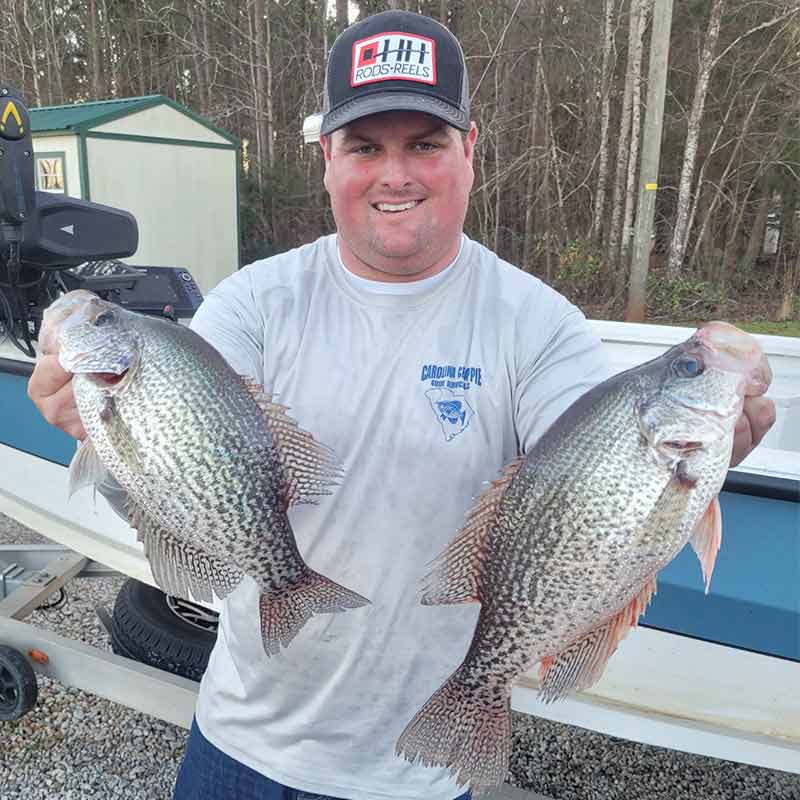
(29, 576)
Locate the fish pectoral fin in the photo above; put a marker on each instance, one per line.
(455, 575)
(121, 439)
(180, 568)
(707, 538)
(581, 664)
(309, 468)
(86, 468)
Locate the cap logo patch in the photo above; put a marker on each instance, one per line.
(394, 56)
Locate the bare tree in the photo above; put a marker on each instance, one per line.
(633, 78)
(633, 158)
(97, 84)
(680, 231)
(605, 117)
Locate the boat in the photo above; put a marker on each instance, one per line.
(710, 674)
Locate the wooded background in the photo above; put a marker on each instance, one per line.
(558, 97)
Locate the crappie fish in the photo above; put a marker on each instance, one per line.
(209, 462)
(563, 550)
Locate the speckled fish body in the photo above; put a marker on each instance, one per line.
(563, 550)
(209, 463)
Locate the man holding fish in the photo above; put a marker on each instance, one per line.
(428, 366)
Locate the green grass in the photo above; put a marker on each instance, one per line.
(790, 328)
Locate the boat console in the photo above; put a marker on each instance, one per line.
(51, 243)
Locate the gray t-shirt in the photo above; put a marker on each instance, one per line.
(424, 395)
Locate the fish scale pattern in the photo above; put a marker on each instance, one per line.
(563, 551)
(209, 463)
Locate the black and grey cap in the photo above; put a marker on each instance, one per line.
(395, 61)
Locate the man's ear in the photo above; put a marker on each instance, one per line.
(325, 144)
(469, 141)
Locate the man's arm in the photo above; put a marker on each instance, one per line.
(568, 360)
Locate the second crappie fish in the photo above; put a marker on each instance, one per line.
(563, 550)
(209, 462)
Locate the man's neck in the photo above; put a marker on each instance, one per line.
(361, 269)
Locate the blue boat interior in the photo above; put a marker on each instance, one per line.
(754, 601)
(23, 428)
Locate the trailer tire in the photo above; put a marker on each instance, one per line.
(145, 628)
(18, 687)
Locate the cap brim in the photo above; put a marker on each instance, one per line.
(367, 105)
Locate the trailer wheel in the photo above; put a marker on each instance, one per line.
(164, 632)
(18, 687)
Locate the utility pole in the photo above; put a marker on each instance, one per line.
(651, 156)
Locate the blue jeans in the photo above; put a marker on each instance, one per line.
(209, 774)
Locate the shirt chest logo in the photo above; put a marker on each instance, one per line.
(447, 389)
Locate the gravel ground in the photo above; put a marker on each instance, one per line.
(75, 746)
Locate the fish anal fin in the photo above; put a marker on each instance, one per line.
(707, 538)
(180, 568)
(284, 613)
(86, 468)
(455, 575)
(309, 468)
(582, 663)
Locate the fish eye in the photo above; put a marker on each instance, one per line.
(689, 367)
(104, 318)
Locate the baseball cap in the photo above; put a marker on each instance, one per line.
(395, 61)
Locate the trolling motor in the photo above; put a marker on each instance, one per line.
(43, 235)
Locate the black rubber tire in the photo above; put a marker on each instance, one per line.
(144, 628)
(18, 687)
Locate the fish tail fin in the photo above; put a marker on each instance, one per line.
(284, 614)
(464, 728)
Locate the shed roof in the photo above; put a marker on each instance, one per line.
(80, 117)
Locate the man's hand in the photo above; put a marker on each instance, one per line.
(50, 388)
(758, 416)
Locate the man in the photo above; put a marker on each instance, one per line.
(427, 364)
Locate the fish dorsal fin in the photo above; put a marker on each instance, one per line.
(707, 538)
(180, 568)
(309, 468)
(581, 664)
(455, 576)
(86, 468)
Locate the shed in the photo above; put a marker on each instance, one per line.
(173, 170)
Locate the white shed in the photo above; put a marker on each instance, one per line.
(173, 170)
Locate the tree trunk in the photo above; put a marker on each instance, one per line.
(633, 160)
(759, 228)
(96, 75)
(529, 240)
(207, 74)
(270, 109)
(634, 48)
(500, 148)
(341, 15)
(26, 18)
(49, 55)
(141, 72)
(260, 92)
(680, 232)
(720, 182)
(605, 115)
(788, 254)
(108, 57)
